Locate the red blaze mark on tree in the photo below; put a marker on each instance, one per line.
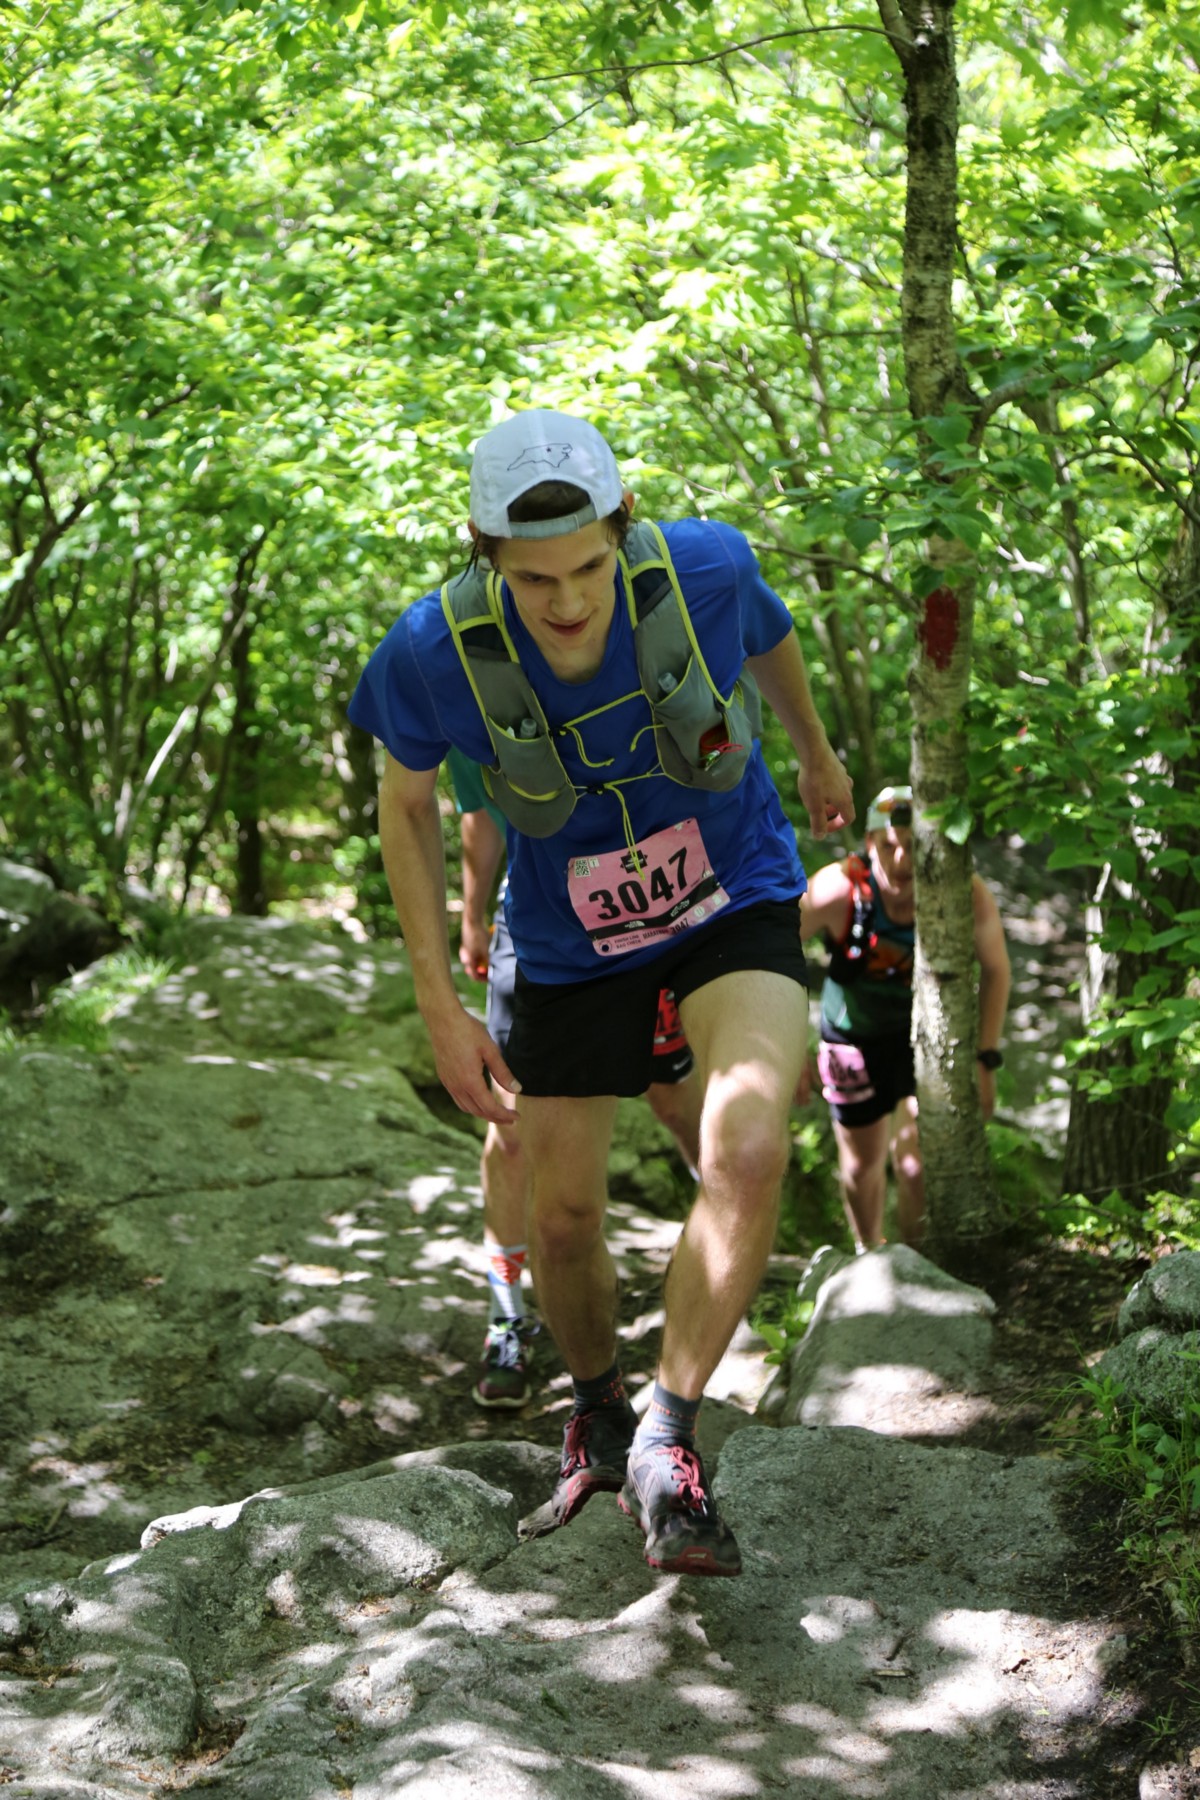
(938, 630)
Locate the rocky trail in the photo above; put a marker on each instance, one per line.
(255, 1540)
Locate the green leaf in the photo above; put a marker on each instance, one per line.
(863, 532)
(949, 431)
(957, 822)
(967, 527)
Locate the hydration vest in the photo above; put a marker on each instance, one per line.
(704, 739)
(859, 951)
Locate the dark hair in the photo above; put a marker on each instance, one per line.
(550, 500)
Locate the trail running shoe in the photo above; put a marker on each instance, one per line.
(504, 1373)
(667, 1494)
(595, 1449)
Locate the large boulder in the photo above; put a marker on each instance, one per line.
(1168, 1296)
(869, 1357)
(387, 1633)
(1156, 1364)
(45, 935)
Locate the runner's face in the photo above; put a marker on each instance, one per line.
(890, 852)
(565, 590)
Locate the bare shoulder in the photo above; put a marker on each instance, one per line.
(824, 905)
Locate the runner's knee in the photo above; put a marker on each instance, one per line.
(563, 1224)
(743, 1146)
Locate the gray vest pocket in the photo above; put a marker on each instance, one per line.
(530, 787)
(693, 732)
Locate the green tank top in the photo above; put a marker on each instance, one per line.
(868, 990)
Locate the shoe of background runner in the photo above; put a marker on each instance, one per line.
(503, 1379)
(595, 1449)
(667, 1494)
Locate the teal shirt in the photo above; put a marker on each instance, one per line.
(469, 792)
(878, 1001)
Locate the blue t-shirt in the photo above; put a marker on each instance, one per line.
(415, 698)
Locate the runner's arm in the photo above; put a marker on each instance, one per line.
(824, 786)
(995, 980)
(414, 858)
(483, 852)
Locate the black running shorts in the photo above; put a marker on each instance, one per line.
(581, 1038)
(672, 1059)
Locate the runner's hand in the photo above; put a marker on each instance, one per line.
(827, 793)
(465, 1057)
(473, 948)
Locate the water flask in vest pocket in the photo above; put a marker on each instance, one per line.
(700, 742)
(530, 786)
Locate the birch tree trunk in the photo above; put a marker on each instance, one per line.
(962, 1213)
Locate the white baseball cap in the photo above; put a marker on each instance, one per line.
(887, 801)
(536, 446)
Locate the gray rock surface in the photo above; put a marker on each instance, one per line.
(44, 933)
(1157, 1371)
(230, 1262)
(1168, 1295)
(891, 1339)
(1156, 1363)
(241, 1267)
(389, 1634)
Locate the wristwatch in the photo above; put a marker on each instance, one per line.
(991, 1059)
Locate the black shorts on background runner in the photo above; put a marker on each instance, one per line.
(865, 1079)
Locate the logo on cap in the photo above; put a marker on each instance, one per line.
(554, 454)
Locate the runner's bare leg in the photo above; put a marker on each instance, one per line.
(566, 1153)
(909, 1172)
(862, 1166)
(749, 1034)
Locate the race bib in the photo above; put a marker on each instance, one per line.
(845, 1079)
(627, 899)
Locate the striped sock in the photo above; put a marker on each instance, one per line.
(504, 1281)
(603, 1391)
(669, 1419)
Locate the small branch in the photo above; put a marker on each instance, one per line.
(1009, 391)
(895, 27)
(520, 143)
(847, 566)
(693, 62)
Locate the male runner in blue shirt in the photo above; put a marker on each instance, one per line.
(686, 880)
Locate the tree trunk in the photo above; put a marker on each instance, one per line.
(962, 1213)
(250, 897)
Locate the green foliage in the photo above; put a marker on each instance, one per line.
(1089, 764)
(781, 1323)
(1155, 1467)
(1124, 1232)
(810, 1209)
(1026, 1181)
(78, 1012)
